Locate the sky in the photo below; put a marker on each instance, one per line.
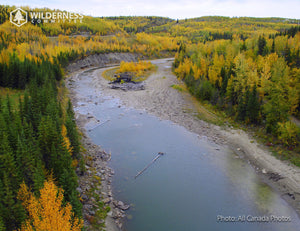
(176, 9)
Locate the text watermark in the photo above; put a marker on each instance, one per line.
(253, 219)
(19, 17)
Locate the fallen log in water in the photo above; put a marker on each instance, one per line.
(100, 124)
(140, 172)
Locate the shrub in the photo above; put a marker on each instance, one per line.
(288, 133)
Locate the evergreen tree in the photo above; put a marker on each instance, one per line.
(287, 54)
(297, 58)
(253, 106)
(22, 80)
(273, 46)
(12, 211)
(242, 105)
(261, 45)
(2, 73)
(224, 76)
(13, 71)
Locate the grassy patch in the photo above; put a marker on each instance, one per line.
(109, 73)
(205, 111)
(208, 113)
(180, 88)
(13, 94)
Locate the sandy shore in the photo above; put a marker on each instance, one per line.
(161, 100)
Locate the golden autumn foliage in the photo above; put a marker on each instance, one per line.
(138, 68)
(66, 142)
(288, 133)
(47, 213)
(254, 79)
(215, 69)
(30, 41)
(184, 68)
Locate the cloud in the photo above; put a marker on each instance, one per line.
(172, 8)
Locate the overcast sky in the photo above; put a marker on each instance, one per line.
(171, 8)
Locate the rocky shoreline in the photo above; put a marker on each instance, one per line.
(95, 183)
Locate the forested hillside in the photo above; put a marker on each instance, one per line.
(255, 80)
(248, 67)
(38, 136)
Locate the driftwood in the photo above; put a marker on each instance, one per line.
(98, 125)
(144, 169)
(275, 176)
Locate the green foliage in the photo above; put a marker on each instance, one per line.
(32, 145)
(262, 49)
(17, 73)
(253, 107)
(289, 133)
(177, 87)
(255, 80)
(204, 90)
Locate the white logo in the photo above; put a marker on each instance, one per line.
(18, 17)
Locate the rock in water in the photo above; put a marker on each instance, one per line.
(128, 86)
(121, 205)
(107, 200)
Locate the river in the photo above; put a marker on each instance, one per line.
(196, 185)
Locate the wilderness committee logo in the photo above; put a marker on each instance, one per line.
(19, 17)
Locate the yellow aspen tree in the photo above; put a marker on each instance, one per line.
(251, 72)
(204, 67)
(66, 142)
(214, 72)
(196, 71)
(47, 212)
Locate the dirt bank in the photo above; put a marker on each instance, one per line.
(102, 60)
(161, 100)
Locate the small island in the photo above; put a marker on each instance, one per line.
(130, 75)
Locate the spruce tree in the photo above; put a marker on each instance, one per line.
(242, 105)
(273, 46)
(261, 45)
(253, 106)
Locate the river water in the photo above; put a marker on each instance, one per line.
(192, 187)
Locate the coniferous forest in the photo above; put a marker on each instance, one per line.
(248, 68)
(38, 137)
